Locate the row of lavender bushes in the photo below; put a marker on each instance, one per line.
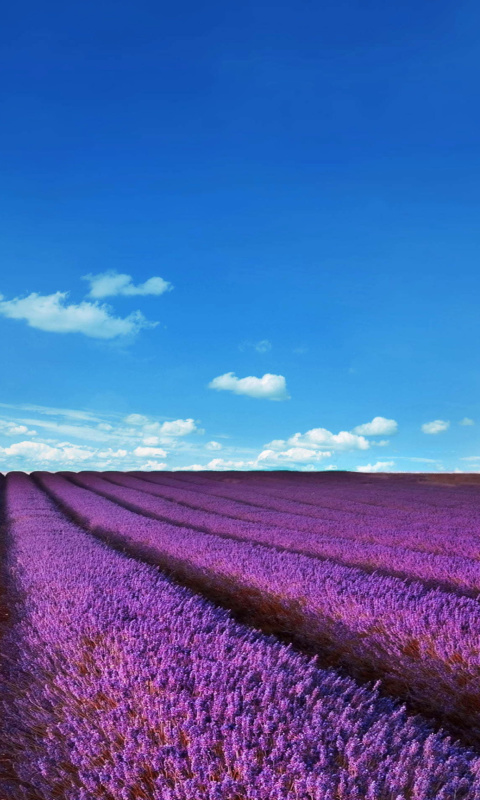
(422, 529)
(459, 573)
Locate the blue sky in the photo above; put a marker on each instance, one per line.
(197, 195)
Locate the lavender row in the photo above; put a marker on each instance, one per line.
(333, 501)
(402, 490)
(423, 643)
(127, 687)
(250, 494)
(408, 503)
(453, 572)
(405, 492)
(449, 535)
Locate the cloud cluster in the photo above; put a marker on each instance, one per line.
(55, 314)
(114, 443)
(39, 452)
(269, 387)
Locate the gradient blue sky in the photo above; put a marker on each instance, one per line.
(305, 175)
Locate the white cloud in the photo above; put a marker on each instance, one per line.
(151, 441)
(316, 468)
(379, 426)
(222, 464)
(437, 426)
(294, 455)
(110, 284)
(9, 428)
(380, 466)
(323, 439)
(40, 452)
(466, 421)
(270, 387)
(176, 427)
(154, 466)
(110, 453)
(213, 446)
(190, 468)
(144, 452)
(52, 313)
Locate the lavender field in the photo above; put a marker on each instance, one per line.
(240, 636)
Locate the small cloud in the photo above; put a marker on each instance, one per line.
(9, 428)
(213, 446)
(144, 452)
(190, 468)
(53, 314)
(437, 426)
(136, 419)
(175, 427)
(151, 441)
(270, 387)
(152, 466)
(112, 453)
(466, 421)
(263, 346)
(111, 284)
(380, 466)
(315, 468)
(222, 464)
(294, 455)
(379, 426)
(323, 439)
